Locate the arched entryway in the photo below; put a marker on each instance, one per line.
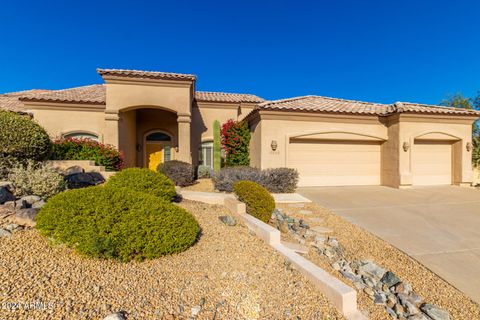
(157, 149)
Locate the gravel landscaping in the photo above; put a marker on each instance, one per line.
(361, 245)
(228, 274)
(202, 185)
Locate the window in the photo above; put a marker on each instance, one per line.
(158, 136)
(81, 135)
(206, 154)
(167, 153)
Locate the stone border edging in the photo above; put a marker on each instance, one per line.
(341, 295)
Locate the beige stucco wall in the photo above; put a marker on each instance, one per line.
(278, 127)
(67, 118)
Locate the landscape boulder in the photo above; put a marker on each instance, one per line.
(83, 179)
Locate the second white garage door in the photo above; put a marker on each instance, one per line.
(432, 163)
(335, 163)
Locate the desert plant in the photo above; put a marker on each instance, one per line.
(181, 173)
(144, 180)
(36, 179)
(117, 223)
(204, 172)
(279, 180)
(226, 177)
(258, 200)
(88, 149)
(217, 146)
(236, 143)
(22, 139)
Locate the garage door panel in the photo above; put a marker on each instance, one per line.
(432, 163)
(327, 163)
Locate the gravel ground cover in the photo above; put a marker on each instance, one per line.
(203, 185)
(228, 274)
(361, 244)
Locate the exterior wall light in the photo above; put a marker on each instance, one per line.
(274, 145)
(406, 146)
(469, 146)
(176, 149)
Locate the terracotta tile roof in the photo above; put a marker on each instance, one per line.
(93, 94)
(9, 101)
(122, 73)
(335, 105)
(325, 104)
(403, 107)
(226, 97)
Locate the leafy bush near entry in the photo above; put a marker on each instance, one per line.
(117, 223)
(144, 180)
(22, 139)
(226, 177)
(204, 172)
(276, 180)
(258, 200)
(88, 149)
(236, 143)
(279, 180)
(36, 179)
(181, 173)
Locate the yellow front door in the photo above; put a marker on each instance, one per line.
(154, 155)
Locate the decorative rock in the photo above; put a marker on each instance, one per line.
(419, 316)
(350, 276)
(359, 285)
(196, 310)
(302, 224)
(228, 220)
(390, 279)
(415, 299)
(379, 298)
(25, 217)
(12, 226)
(435, 312)
(116, 316)
(8, 185)
(10, 205)
(74, 169)
(411, 309)
(5, 195)
(20, 204)
(391, 313)
(30, 200)
(336, 265)
(369, 281)
(370, 269)
(369, 291)
(83, 180)
(5, 233)
(399, 309)
(38, 204)
(403, 288)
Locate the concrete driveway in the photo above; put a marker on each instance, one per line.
(438, 226)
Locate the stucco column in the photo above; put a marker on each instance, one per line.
(111, 136)
(184, 152)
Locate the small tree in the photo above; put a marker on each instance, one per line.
(217, 145)
(236, 142)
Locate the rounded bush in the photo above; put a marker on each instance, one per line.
(22, 138)
(144, 180)
(258, 200)
(117, 223)
(204, 172)
(181, 173)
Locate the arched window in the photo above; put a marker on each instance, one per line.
(81, 135)
(158, 136)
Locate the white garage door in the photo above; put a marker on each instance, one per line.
(335, 163)
(432, 163)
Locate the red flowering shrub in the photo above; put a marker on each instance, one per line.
(87, 149)
(235, 143)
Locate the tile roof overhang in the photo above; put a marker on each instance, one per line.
(138, 74)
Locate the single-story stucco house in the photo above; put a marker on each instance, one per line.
(157, 116)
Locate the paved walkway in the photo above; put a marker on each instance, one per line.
(438, 226)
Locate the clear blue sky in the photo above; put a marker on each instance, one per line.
(381, 51)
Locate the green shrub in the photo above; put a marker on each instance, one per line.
(258, 200)
(88, 149)
(36, 179)
(181, 173)
(144, 180)
(117, 223)
(22, 138)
